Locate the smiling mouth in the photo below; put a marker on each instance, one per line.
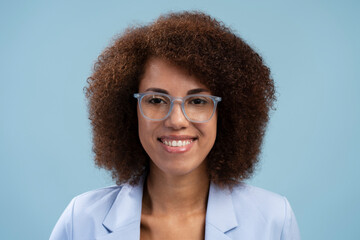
(176, 143)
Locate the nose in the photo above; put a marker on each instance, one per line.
(176, 119)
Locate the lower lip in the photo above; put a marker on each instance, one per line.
(181, 149)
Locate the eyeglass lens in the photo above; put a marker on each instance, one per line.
(197, 108)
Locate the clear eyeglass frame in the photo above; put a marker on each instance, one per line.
(139, 97)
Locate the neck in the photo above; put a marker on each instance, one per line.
(165, 194)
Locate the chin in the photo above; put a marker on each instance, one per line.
(179, 167)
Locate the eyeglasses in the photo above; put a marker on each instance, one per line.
(197, 108)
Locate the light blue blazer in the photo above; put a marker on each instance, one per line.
(246, 212)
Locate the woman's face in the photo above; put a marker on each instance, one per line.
(161, 76)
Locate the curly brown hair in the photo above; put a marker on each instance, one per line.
(204, 47)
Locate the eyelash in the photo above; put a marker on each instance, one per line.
(156, 99)
(202, 101)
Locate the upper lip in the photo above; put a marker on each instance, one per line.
(177, 137)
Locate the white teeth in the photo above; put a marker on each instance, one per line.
(175, 143)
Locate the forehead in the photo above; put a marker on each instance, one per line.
(162, 74)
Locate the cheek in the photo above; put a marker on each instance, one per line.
(210, 128)
(141, 127)
(208, 132)
(146, 130)
(212, 133)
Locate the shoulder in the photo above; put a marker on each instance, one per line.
(261, 209)
(262, 203)
(260, 198)
(86, 212)
(93, 206)
(101, 197)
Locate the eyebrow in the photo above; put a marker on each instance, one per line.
(192, 91)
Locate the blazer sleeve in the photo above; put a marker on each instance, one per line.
(64, 226)
(290, 228)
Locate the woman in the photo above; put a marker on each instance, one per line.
(178, 110)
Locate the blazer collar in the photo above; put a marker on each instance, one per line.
(220, 214)
(123, 218)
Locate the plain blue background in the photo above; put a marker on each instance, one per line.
(311, 150)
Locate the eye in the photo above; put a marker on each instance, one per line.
(155, 100)
(199, 101)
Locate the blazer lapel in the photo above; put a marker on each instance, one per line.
(220, 214)
(123, 218)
